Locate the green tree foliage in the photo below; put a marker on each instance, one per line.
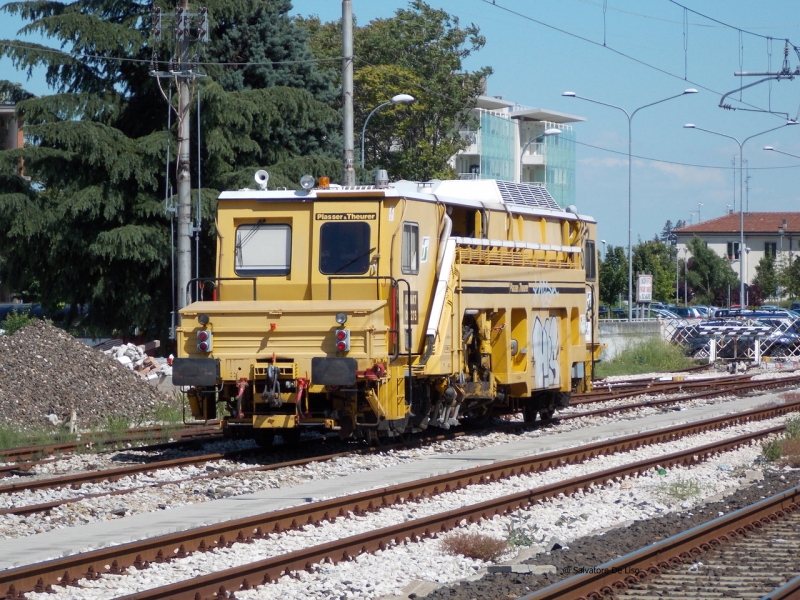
(766, 277)
(709, 275)
(613, 275)
(420, 52)
(90, 226)
(790, 278)
(658, 259)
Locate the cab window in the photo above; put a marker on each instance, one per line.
(410, 265)
(263, 249)
(344, 248)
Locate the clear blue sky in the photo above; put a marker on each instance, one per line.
(533, 64)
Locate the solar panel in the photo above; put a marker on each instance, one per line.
(526, 194)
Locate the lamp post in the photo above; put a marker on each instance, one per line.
(673, 239)
(398, 99)
(630, 121)
(741, 195)
(699, 204)
(685, 283)
(605, 253)
(746, 266)
(547, 133)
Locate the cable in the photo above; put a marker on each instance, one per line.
(718, 22)
(494, 4)
(672, 162)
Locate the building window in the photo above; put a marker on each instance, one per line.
(263, 249)
(733, 250)
(410, 263)
(770, 249)
(344, 248)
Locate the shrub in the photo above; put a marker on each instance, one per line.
(654, 354)
(15, 321)
(475, 545)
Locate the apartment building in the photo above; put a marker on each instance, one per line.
(509, 143)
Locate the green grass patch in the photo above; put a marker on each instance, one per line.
(14, 437)
(785, 448)
(679, 491)
(653, 355)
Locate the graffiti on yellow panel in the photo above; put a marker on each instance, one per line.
(546, 345)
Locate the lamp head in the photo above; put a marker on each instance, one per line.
(689, 126)
(403, 99)
(791, 122)
(552, 131)
(768, 148)
(569, 94)
(690, 91)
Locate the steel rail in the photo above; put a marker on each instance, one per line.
(27, 453)
(636, 567)
(114, 474)
(114, 559)
(219, 584)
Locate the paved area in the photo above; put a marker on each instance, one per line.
(71, 540)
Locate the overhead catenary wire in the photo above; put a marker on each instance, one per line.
(639, 61)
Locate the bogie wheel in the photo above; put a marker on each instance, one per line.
(529, 414)
(290, 436)
(264, 439)
(546, 414)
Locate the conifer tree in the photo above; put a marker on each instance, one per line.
(89, 226)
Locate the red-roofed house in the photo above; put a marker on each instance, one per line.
(772, 233)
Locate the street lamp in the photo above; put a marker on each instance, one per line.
(398, 99)
(630, 120)
(547, 133)
(741, 196)
(605, 252)
(699, 204)
(685, 267)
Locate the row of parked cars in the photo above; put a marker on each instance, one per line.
(735, 331)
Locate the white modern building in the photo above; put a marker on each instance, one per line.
(10, 128)
(509, 143)
(775, 234)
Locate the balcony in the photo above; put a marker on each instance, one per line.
(534, 155)
(473, 140)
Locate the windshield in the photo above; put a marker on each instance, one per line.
(344, 248)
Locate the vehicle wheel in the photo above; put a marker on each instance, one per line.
(779, 351)
(264, 439)
(290, 437)
(546, 415)
(529, 414)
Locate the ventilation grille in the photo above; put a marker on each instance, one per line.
(527, 194)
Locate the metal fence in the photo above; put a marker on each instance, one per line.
(735, 338)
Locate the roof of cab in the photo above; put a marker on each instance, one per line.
(475, 193)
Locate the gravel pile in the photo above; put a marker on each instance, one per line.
(45, 373)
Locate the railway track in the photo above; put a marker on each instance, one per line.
(749, 553)
(164, 548)
(739, 385)
(26, 454)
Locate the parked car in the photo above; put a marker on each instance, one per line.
(688, 312)
(619, 313)
(602, 311)
(795, 306)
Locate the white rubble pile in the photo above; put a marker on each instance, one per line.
(136, 359)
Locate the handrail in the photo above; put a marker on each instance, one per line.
(214, 280)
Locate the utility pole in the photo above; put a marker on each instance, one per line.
(181, 70)
(349, 175)
(747, 187)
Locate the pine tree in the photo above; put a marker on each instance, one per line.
(90, 226)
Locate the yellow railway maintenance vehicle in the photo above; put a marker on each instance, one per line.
(380, 310)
